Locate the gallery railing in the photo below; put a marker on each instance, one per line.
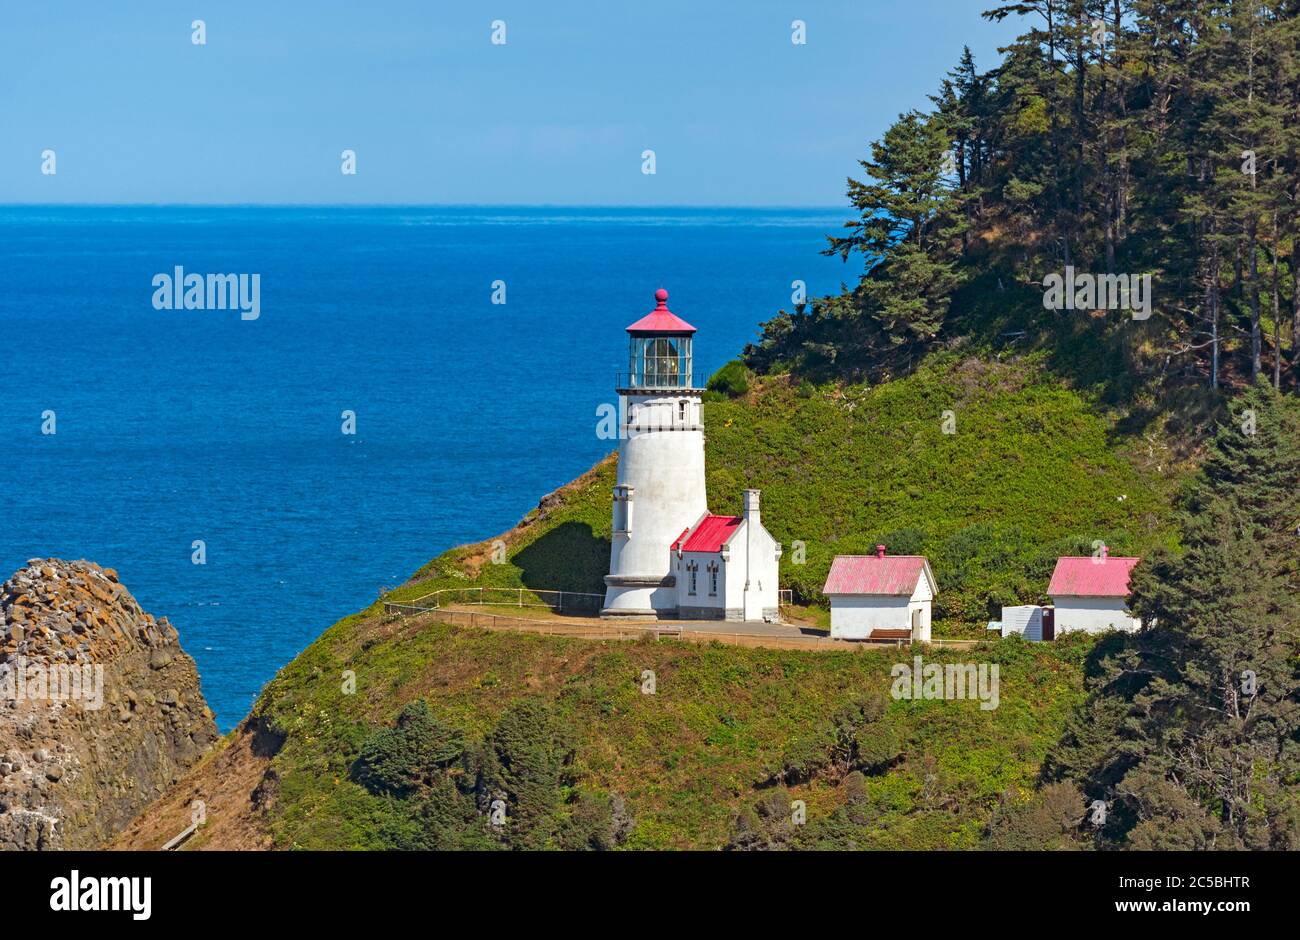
(498, 597)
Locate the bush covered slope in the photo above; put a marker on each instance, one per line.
(445, 720)
(562, 732)
(1031, 470)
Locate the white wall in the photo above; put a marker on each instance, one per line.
(1025, 619)
(764, 589)
(854, 616)
(665, 468)
(701, 597)
(1094, 614)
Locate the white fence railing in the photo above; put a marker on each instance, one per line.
(499, 597)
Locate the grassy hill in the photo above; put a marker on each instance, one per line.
(684, 761)
(1034, 468)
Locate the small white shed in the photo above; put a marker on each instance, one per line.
(1024, 619)
(880, 596)
(1091, 593)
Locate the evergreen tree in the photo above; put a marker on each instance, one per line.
(1192, 729)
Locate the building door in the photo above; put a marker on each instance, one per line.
(916, 625)
(1049, 624)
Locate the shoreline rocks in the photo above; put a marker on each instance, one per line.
(100, 708)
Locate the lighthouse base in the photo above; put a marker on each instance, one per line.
(640, 596)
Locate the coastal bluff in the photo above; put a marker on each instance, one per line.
(100, 708)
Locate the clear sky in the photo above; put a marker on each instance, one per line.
(560, 114)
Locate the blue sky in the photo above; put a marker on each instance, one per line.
(736, 114)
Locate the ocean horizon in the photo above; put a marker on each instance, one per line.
(173, 426)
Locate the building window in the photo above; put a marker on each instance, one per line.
(691, 569)
(713, 579)
(681, 411)
(623, 509)
(661, 362)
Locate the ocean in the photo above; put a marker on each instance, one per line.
(176, 426)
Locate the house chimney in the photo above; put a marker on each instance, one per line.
(751, 505)
(880, 551)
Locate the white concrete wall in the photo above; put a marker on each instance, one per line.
(666, 470)
(854, 616)
(1094, 614)
(701, 597)
(764, 586)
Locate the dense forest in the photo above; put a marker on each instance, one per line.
(1120, 139)
(1122, 191)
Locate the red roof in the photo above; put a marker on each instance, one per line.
(661, 319)
(678, 541)
(1091, 577)
(875, 574)
(711, 533)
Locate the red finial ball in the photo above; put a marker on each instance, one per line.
(661, 295)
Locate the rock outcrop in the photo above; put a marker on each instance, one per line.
(100, 708)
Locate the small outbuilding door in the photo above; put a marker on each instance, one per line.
(1049, 624)
(916, 626)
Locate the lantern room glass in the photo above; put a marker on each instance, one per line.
(661, 362)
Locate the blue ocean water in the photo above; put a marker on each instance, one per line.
(176, 425)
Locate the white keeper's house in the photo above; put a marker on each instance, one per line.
(1091, 593)
(880, 597)
(669, 556)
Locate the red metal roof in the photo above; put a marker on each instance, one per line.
(1091, 577)
(678, 541)
(661, 319)
(873, 574)
(711, 533)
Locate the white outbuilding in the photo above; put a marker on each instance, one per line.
(726, 567)
(1091, 593)
(880, 597)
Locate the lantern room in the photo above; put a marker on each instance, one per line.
(660, 350)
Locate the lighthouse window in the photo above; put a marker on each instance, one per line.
(681, 411)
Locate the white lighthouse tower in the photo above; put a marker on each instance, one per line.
(660, 490)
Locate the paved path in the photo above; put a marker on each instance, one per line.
(771, 635)
(790, 630)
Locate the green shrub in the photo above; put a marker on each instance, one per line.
(731, 380)
(412, 754)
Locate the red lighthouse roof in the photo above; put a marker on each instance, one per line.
(661, 319)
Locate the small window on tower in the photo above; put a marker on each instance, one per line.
(681, 411)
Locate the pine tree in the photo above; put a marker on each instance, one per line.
(1192, 728)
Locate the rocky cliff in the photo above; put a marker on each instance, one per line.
(100, 708)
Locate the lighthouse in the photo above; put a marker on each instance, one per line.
(660, 491)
